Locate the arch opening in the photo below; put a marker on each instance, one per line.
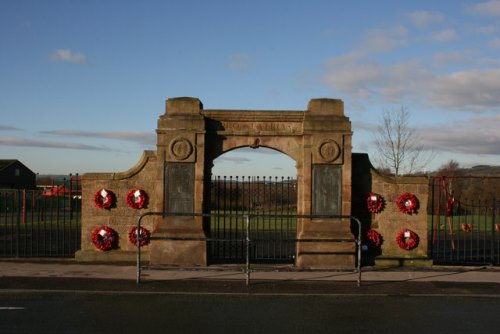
(261, 183)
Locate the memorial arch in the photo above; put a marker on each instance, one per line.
(176, 177)
(317, 139)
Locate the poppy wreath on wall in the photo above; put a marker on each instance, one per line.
(407, 203)
(373, 240)
(407, 239)
(467, 227)
(137, 198)
(374, 202)
(104, 238)
(145, 235)
(104, 198)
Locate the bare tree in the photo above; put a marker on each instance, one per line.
(398, 146)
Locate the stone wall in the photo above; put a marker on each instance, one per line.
(390, 220)
(147, 175)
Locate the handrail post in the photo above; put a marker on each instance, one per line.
(247, 239)
(138, 280)
(358, 242)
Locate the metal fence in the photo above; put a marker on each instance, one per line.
(271, 201)
(41, 222)
(463, 230)
(247, 241)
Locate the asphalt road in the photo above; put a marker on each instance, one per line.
(46, 311)
(76, 305)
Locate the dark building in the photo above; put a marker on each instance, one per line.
(15, 175)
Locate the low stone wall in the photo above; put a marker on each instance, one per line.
(390, 221)
(120, 217)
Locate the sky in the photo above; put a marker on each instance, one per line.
(82, 83)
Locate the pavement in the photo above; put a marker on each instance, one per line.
(71, 275)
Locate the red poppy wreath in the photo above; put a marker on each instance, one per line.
(373, 239)
(104, 198)
(137, 198)
(407, 239)
(407, 203)
(374, 202)
(144, 236)
(104, 238)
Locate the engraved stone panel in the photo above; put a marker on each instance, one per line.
(179, 187)
(327, 187)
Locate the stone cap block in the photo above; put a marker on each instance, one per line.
(325, 107)
(183, 106)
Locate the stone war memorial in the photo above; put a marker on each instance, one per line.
(332, 184)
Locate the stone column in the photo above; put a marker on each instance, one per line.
(328, 171)
(181, 142)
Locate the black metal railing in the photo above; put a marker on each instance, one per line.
(462, 230)
(248, 242)
(42, 222)
(271, 201)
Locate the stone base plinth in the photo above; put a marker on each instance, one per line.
(326, 255)
(110, 256)
(403, 262)
(178, 253)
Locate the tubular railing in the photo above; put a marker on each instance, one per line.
(248, 241)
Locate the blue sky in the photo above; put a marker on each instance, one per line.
(82, 83)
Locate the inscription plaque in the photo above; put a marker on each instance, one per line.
(179, 187)
(327, 187)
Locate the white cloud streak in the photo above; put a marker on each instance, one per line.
(144, 138)
(488, 8)
(240, 62)
(8, 128)
(476, 135)
(422, 19)
(22, 142)
(446, 35)
(473, 90)
(67, 56)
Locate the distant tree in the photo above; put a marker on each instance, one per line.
(398, 146)
(450, 171)
(450, 168)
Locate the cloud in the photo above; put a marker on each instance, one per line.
(487, 30)
(462, 57)
(476, 90)
(236, 160)
(488, 8)
(476, 135)
(8, 128)
(240, 62)
(422, 19)
(10, 141)
(67, 56)
(351, 75)
(384, 40)
(446, 35)
(145, 138)
(494, 43)
(365, 81)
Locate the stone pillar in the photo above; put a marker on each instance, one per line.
(327, 172)
(181, 132)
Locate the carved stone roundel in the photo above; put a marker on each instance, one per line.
(329, 150)
(181, 148)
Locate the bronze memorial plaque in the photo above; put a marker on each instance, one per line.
(327, 186)
(179, 188)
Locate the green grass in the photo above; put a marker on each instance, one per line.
(269, 221)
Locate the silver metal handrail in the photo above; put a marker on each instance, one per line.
(247, 240)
